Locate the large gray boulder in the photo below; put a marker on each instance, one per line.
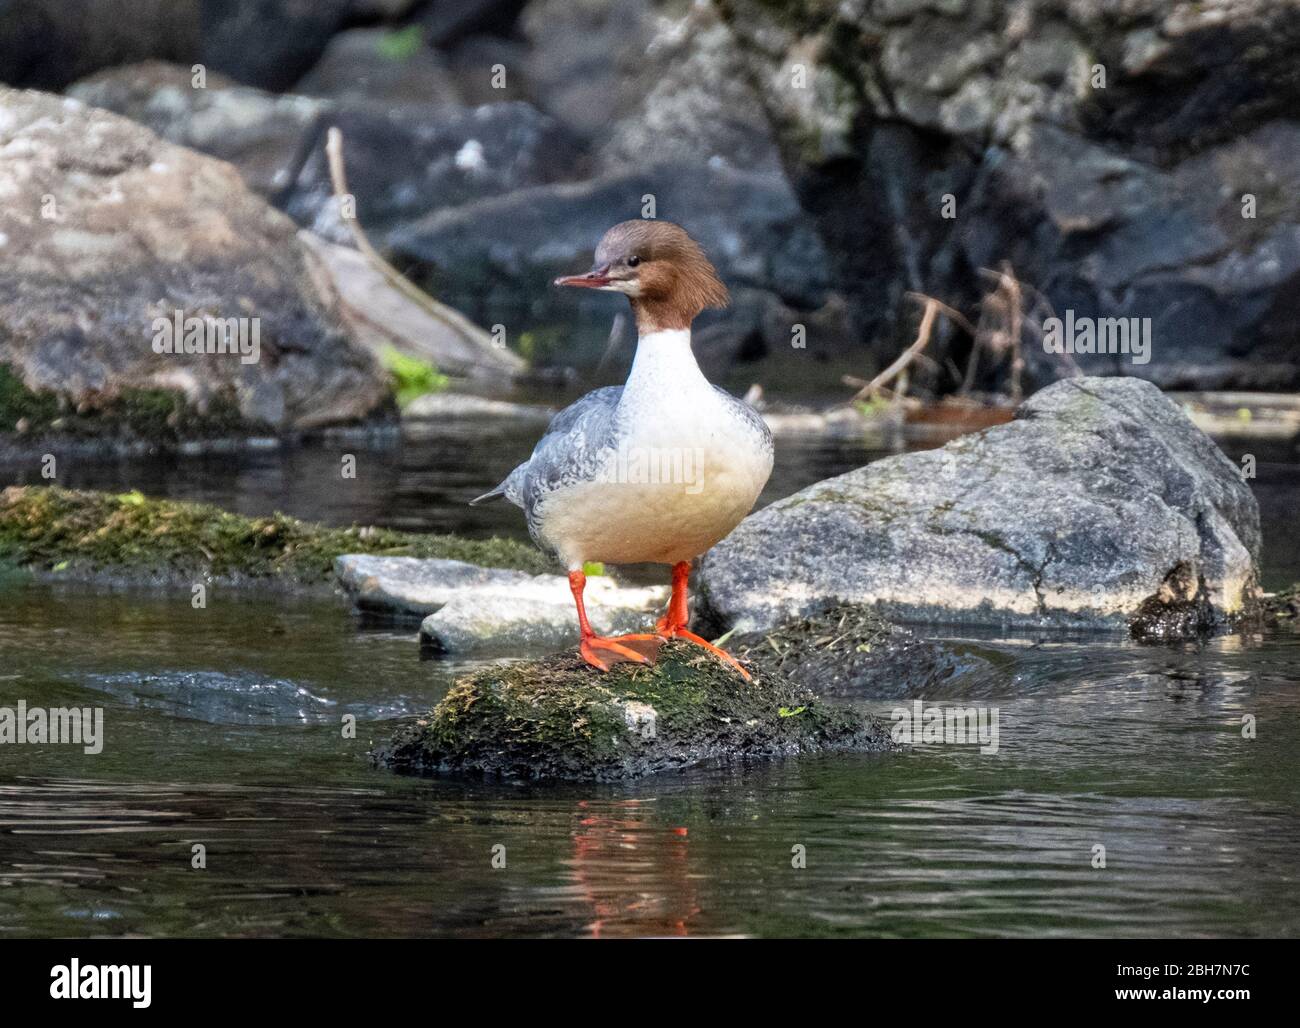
(1099, 506)
(107, 232)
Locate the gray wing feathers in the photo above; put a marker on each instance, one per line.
(571, 450)
(750, 417)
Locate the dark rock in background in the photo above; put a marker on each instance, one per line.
(405, 162)
(1117, 200)
(268, 43)
(46, 44)
(497, 257)
(262, 134)
(377, 67)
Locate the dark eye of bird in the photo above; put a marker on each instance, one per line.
(633, 261)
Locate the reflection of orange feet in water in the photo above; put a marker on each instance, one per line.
(634, 874)
(673, 624)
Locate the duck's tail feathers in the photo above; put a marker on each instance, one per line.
(496, 493)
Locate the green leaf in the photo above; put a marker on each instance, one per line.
(593, 569)
(134, 498)
(787, 712)
(401, 45)
(412, 376)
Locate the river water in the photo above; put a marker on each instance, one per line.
(222, 731)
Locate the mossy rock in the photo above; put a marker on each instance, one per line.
(557, 718)
(850, 649)
(128, 537)
(161, 417)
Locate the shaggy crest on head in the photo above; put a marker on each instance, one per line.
(661, 269)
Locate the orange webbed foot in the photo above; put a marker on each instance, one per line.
(604, 651)
(678, 632)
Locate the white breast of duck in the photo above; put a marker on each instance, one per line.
(683, 462)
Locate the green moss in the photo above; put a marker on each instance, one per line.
(44, 527)
(158, 415)
(559, 718)
(18, 403)
(401, 44)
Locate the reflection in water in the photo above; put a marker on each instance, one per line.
(634, 874)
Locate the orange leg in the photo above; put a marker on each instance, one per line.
(673, 624)
(602, 651)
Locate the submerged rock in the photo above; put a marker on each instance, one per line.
(110, 239)
(557, 718)
(1100, 506)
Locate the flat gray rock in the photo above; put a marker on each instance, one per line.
(1100, 506)
(542, 617)
(474, 609)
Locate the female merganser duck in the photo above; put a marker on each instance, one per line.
(654, 471)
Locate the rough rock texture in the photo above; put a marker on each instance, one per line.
(557, 718)
(848, 650)
(105, 228)
(260, 133)
(688, 100)
(578, 57)
(402, 159)
(1122, 199)
(1101, 505)
(474, 609)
